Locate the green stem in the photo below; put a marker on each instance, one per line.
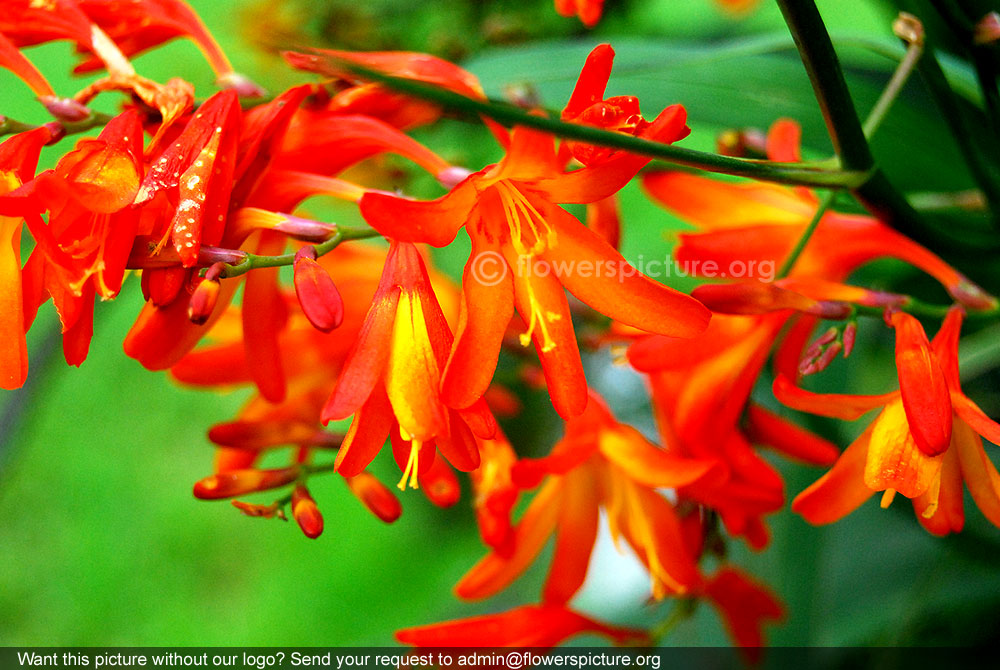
(802, 174)
(829, 85)
(800, 245)
(254, 261)
(10, 126)
(899, 78)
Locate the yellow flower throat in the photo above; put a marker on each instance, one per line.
(530, 235)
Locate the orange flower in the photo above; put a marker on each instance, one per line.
(701, 393)
(600, 463)
(526, 626)
(18, 159)
(531, 249)
(754, 226)
(924, 443)
(391, 379)
(83, 250)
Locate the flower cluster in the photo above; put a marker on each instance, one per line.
(203, 199)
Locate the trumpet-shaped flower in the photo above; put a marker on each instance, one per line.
(392, 377)
(526, 250)
(924, 443)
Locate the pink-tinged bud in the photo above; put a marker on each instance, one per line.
(210, 255)
(452, 176)
(244, 86)
(264, 511)
(317, 294)
(65, 109)
(987, 30)
(306, 230)
(205, 296)
(823, 362)
(240, 482)
(374, 495)
(306, 513)
(971, 296)
(850, 335)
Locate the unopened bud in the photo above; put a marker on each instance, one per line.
(163, 285)
(306, 513)
(205, 295)
(208, 255)
(374, 495)
(908, 28)
(306, 230)
(264, 511)
(440, 484)
(317, 294)
(65, 109)
(850, 335)
(240, 482)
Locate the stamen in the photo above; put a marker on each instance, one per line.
(536, 317)
(887, 498)
(412, 463)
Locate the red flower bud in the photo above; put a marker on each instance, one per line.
(374, 495)
(203, 301)
(264, 511)
(317, 294)
(306, 513)
(240, 482)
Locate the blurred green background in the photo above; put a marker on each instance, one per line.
(102, 543)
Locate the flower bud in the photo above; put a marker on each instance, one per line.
(264, 511)
(306, 230)
(306, 513)
(440, 484)
(65, 109)
(374, 495)
(206, 295)
(240, 482)
(317, 294)
(987, 30)
(163, 285)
